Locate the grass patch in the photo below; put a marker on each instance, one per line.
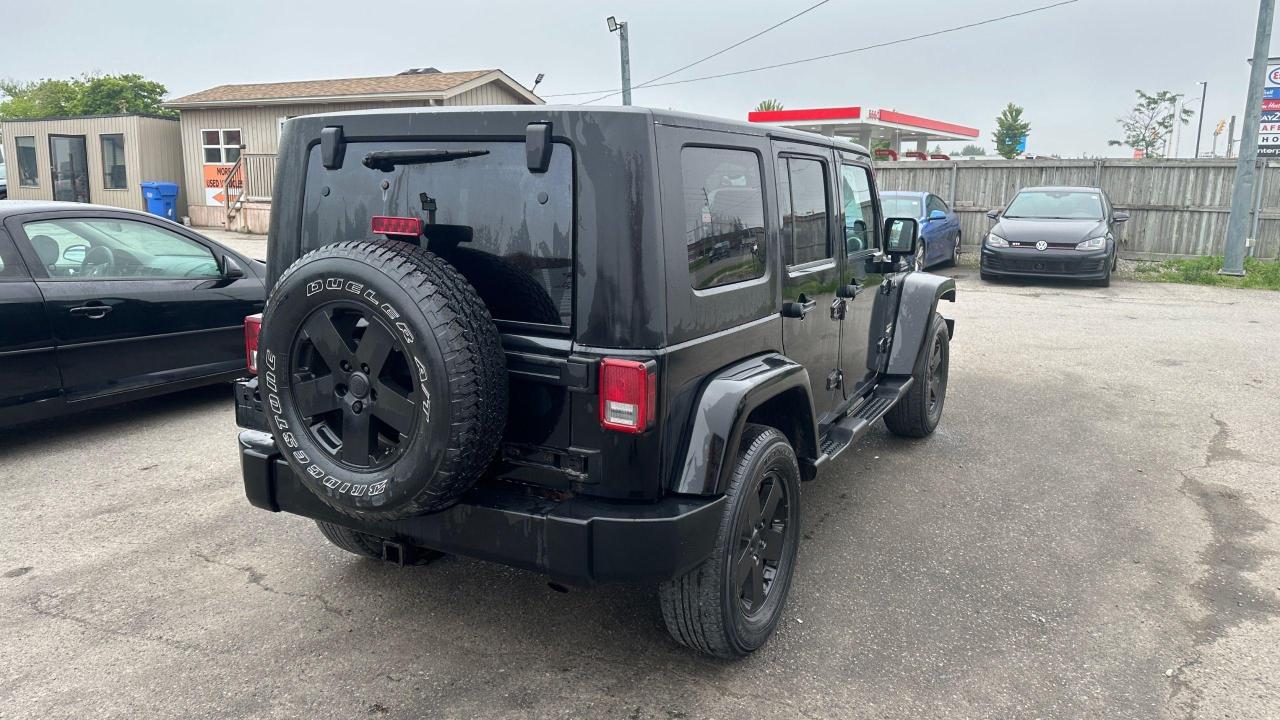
(1262, 274)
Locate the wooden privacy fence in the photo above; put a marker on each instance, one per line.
(1179, 208)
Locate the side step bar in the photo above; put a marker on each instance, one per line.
(850, 428)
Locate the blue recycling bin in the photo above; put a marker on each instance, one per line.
(161, 199)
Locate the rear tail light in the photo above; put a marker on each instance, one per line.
(386, 225)
(252, 329)
(628, 395)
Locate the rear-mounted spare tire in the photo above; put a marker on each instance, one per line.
(384, 378)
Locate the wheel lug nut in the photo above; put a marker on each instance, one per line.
(357, 406)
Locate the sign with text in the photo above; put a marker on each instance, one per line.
(215, 176)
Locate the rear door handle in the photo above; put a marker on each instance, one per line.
(93, 312)
(798, 309)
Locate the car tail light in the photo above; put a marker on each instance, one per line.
(386, 225)
(628, 395)
(252, 329)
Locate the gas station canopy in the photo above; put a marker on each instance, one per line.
(865, 127)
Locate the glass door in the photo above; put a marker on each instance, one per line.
(70, 169)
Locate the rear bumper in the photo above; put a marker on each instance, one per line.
(578, 541)
(1028, 262)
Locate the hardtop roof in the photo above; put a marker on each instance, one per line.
(662, 117)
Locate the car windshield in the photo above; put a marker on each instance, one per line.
(1056, 205)
(900, 206)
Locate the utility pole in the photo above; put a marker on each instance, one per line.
(621, 29)
(1204, 91)
(1242, 192)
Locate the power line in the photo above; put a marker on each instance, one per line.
(714, 54)
(828, 56)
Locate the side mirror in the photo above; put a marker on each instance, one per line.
(231, 269)
(993, 214)
(75, 253)
(901, 236)
(1119, 216)
(937, 215)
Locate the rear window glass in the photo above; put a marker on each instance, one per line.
(508, 230)
(723, 216)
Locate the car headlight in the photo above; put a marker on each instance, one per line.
(1093, 244)
(994, 240)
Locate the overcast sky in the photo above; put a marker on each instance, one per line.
(1073, 68)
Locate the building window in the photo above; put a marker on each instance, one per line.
(723, 216)
(28, 167)
(113, 168)
(220, 146)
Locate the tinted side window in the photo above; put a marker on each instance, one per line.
(10, 265)
(117, 249)
(723, 216)
(805, 215)
(861, 232)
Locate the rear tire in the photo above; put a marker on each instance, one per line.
(731, 604)
(955, 252)
(918, 413)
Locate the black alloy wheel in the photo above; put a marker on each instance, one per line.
(762, 537)
(353, 385)
(936, 379)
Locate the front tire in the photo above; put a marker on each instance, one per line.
(730, 605)
(918, 413)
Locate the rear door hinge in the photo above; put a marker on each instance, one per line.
(835, 380)
(838, 310)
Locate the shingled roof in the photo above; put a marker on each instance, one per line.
(425, 85)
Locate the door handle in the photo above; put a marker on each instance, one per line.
(850, 291)
(798, 309)
(93, 312)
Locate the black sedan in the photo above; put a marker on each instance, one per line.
(100, 305)
(1062, 232)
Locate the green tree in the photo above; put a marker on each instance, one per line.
(85, 95)
(1150, 123)
(1010, 130)
(767, 105)
(972, 151)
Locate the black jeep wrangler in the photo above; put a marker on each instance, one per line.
(604, 345)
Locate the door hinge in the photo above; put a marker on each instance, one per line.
(835, 380)
(838, 310)
(886, 287)
(884, 343)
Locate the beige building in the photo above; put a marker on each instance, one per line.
(101, 159)
(230, 133)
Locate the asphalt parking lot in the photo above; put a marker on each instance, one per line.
(1091, 533)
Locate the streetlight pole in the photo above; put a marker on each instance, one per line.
(621, 29)
(1242, 191)
(1204, 92)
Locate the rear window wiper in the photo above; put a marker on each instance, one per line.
(387, 160)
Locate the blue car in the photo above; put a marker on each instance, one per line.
(939, 225)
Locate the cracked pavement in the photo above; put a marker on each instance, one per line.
(1091, 533)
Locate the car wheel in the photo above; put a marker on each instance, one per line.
(384, 379)
(918, 413)
(955, 252)
(731, 604)
(1106, 279)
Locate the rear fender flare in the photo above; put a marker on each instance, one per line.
(917, 305)
(728, 398)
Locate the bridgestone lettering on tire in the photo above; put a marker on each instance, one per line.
(383, 378)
